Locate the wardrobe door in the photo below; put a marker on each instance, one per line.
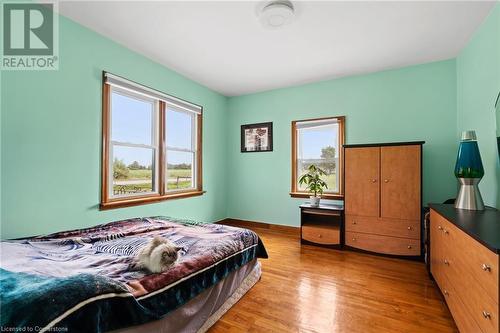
(400, 182)
(362, 181)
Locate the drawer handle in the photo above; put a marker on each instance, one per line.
(440, 227)
(446, 262)
(354, 239)
(486, 268)
(386, 180)
(446, 293)
(374, 180)
(486, 315)
(446, 232)
(319, 236)
(409, 228)
(409, 247)
(354, 222)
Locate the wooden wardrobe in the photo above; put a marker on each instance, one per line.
(383, 197)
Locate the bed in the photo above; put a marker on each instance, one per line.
(86, 280)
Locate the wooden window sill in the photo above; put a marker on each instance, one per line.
(135, 201)
(327, 196)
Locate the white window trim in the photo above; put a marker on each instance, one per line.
(124, 84)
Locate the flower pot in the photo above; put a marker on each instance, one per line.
(314, 201)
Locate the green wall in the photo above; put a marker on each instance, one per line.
(51, 132)
(51, 129)
(478, 84)
(413, 103)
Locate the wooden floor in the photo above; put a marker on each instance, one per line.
(311, 289)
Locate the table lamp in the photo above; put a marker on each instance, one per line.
(469, 171)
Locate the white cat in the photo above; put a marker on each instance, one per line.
(158, 255)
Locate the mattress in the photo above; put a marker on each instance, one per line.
(200, 313)
(86, 280)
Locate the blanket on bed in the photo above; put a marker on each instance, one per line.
(86, 280)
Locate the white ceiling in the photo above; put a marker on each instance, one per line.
(223, 46)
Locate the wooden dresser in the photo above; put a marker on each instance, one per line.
(464, 248)
(383, 197)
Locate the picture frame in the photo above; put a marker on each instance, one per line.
(257, 137)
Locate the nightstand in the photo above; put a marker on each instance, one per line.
(322, 225)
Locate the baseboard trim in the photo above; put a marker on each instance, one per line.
(283, 229)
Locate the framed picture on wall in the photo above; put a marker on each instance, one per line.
(257, 137)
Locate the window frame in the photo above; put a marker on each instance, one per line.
(160, 193)
(295, 192)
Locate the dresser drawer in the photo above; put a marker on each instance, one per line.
(383, 244)
(476, 259)
(478, 301)
(465, 323)
(384, 227)
(321, 234)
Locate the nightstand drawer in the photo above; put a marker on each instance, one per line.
(321, 234)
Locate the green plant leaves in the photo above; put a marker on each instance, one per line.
(313, 181)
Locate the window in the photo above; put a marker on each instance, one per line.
(181, 150)
(318, 142)
(134, 144)
(151, 145)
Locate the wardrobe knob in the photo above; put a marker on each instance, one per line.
(486, 315)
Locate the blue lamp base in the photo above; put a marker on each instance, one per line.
(469, 196)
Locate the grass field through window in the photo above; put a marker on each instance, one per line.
(140, 180)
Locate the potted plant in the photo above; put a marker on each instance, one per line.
(314, 184)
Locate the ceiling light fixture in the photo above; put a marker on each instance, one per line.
(276, 14)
